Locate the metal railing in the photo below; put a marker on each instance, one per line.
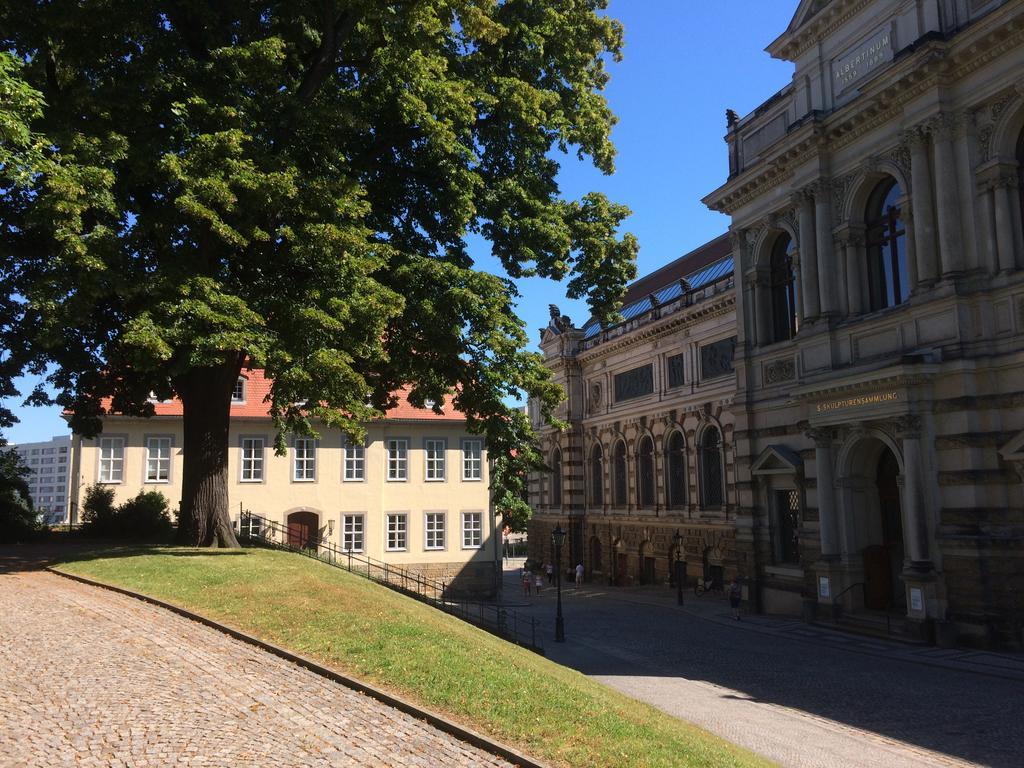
(496, 619)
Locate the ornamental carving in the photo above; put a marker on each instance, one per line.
(840, 191)
(595, 397)
(780, 370)
(716, 358)
(908, 426)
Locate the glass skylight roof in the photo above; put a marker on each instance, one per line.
(699, 279)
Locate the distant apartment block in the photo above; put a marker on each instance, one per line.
(50, 462)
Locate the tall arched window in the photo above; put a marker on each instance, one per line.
(597, 476)
(645, 472)
(676, 449)
(619, 474)
(888, 280)
(783, 290)
(556, 478)
(709, 460)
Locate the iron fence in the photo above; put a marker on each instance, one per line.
(500, 621)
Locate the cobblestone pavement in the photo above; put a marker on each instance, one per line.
(92, 678)
(803, 696)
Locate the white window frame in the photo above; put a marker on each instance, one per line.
(468, 460)
(398, 528)
(353, 530)
(259, 462)
(353, 457)
(112, 465)
(401, 462)
(477, 528)
(435, 524)
(435, 468)
(307, 461)
(245, 386)
(150, 439)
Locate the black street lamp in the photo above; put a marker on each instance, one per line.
(557, 540)
(678, 539)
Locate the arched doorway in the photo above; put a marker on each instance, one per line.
(595, 555)
(646, 564)
(873, 514)
(883, 561)
(303, 529)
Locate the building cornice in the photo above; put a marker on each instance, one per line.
(793, 43)
(708, 310)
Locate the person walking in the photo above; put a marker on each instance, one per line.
(579, 575)
(538, 584)
(549, 569)
(735, 596)
(526, 582)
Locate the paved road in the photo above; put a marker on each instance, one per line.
(804, 697)
(92, 678)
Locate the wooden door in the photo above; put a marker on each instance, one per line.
(302, 529)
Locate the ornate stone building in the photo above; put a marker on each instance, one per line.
(650, 448)
(877, 229)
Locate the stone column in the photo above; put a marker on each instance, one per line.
(947, 198)
(915, 523)
(808, 257)
(828, 269)
(988, 233)
(921, 207)
(765, 330)
(828, 522)
(738, 240)
(855, 266)
(1003, 191)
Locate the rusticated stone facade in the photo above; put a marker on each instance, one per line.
(650, 444)
(876, 210)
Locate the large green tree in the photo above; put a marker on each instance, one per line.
(293, 184)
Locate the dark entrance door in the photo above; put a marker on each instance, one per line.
(648, 572)
(621, 566)
(302, 529)
(883, 562)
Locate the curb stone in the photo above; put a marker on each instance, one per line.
(437, 721)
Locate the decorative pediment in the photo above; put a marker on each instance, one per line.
(777, 460)
(804, 12)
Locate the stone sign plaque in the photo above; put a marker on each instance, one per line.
(861, 61)
(634, 383)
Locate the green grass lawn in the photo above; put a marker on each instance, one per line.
(369, 632)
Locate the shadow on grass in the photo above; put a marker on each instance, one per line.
(69, 548)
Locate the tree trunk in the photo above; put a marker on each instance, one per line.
(203, 519)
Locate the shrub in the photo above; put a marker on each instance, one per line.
(18, 520)
(98, 510)
(143, 517)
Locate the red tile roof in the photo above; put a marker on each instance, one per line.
(257, 388)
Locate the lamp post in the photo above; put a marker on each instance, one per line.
(557, 540)
(678, 539)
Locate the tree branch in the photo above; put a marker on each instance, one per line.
(334, 34)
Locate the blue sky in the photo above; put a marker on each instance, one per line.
(686, 62)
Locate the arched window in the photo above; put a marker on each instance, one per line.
(556, 478)
(888, 280)
(597, 476)
(645, 472)
(710, 463)
(620, 474)
(783, 290)
(676, 449)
